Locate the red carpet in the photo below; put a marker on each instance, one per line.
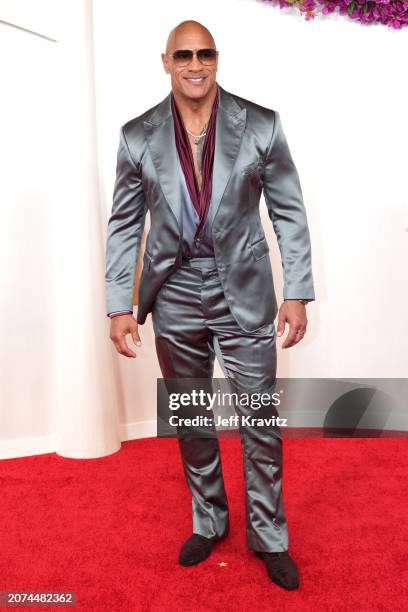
(110, 529)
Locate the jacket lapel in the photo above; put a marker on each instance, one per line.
(159, 130)
(230, 124)
(161, 141)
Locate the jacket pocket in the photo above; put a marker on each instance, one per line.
(259, 248)
(251, 168)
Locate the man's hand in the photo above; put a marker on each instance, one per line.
(293, 312)
(122, 325)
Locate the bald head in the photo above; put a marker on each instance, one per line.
(185, 31)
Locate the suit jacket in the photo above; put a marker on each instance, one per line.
(251, 155)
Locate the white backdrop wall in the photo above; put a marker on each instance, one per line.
(57, 390)
(340, 90)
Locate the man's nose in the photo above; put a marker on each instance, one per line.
(195, 63)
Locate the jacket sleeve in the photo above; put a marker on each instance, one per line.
(125, 228)
(284, 200)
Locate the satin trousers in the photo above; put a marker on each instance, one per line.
(193, 324)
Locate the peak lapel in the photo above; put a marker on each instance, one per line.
(230, 124)
(161, 141)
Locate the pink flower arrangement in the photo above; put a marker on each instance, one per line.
(393, 13)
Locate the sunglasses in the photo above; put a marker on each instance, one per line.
(183, 57)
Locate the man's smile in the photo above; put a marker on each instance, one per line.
(195, 80)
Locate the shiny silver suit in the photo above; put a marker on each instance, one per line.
(225, 306)
(251, 155)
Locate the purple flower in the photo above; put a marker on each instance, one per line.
(393, 13)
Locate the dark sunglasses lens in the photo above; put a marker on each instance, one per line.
(183, 56)
(207, 56)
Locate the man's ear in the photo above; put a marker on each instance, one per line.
(165, 63)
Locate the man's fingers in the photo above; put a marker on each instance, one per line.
(136, 338)
(295, 335)
(290, 339)
(122, 346)
(281, 325)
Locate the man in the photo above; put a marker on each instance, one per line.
(198, 161)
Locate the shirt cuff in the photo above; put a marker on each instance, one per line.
(117, 313)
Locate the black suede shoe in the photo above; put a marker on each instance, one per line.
(281, 568)
(196, 549)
